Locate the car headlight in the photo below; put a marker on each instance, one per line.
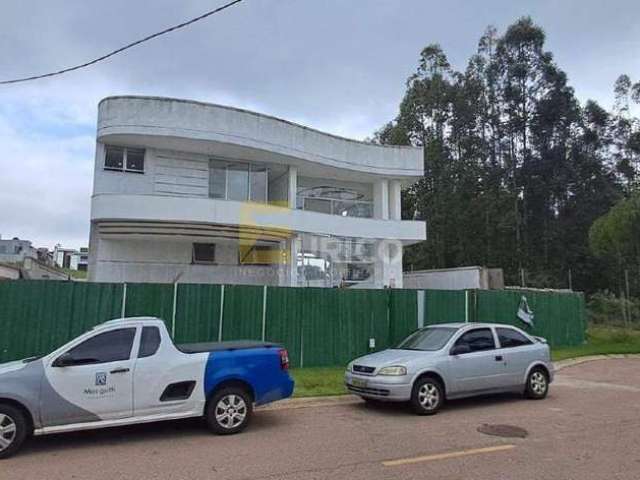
(350, 367)
(395, 370)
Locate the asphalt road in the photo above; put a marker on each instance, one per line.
(588, 428)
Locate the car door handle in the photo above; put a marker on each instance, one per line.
(499, 358)
(120, 370)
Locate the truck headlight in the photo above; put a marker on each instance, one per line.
(395, 370)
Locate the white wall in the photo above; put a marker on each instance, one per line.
(168, 117)
(165, 261)
(446, 279)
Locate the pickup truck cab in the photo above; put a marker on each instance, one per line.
(129, 371)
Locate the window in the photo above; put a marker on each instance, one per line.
(204, 253)
(429, 339)
(478, 340)
(217, 179)
(124, 159)
(112, 346)
(149, 342)
(114, 158)
(134, 160)
(237, 181)
(510, 338)
(258, 183)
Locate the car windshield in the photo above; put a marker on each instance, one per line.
(430, 338)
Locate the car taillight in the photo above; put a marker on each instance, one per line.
(284, 359)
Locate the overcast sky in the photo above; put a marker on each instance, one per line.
(336, 65)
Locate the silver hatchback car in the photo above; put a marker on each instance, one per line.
(453, 360)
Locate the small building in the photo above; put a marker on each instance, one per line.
(460, 278)
(71, 258)
(16, 250)
(205, 193)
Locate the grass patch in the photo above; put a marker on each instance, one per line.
(325, 381)
(600, 341)
(317, 382)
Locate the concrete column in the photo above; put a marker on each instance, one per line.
(381, 199)
(395, 205)
(293, 187)
(293, 262)
(388, 264)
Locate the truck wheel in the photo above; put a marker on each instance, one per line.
(427, 396)
(229, 411)
(537, 384)
(13, 430)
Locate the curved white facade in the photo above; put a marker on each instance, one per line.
(292, 143)
(207, 193)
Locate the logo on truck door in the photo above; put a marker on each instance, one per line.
(101, 379)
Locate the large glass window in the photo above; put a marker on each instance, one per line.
(217, 179)
(335, 262)
(258, 183)
(237, 181)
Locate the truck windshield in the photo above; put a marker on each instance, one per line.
(429, 339)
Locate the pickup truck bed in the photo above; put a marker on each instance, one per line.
(221, 346)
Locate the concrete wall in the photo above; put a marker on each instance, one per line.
(165, 261)
(8, 272)
(448, 279)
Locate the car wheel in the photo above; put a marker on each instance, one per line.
(229, 411)
(537, 384)
(13, 430)
(427, 396)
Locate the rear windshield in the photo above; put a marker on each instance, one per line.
(430, 338)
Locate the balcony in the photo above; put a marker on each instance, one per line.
(189, 213)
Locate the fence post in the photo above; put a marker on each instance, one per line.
(466, 306)
(302, 344)
(264, 312)
(124, 300)
(173, 313)
(221, 313)
(420, 299)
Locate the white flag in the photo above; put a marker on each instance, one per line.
(524, 312)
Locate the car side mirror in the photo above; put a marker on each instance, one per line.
(64, 360)
(460, 349)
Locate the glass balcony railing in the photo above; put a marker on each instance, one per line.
(331, 206)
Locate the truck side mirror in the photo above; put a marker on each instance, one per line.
(64, 360)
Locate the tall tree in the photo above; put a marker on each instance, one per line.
(515, 169)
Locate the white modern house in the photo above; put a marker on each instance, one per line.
(194, 192)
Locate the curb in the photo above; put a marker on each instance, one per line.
(570, 362)
(347, 399)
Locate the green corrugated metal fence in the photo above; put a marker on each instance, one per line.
(318, 326)
(559, 317)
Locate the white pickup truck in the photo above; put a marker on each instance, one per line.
(129, 371)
